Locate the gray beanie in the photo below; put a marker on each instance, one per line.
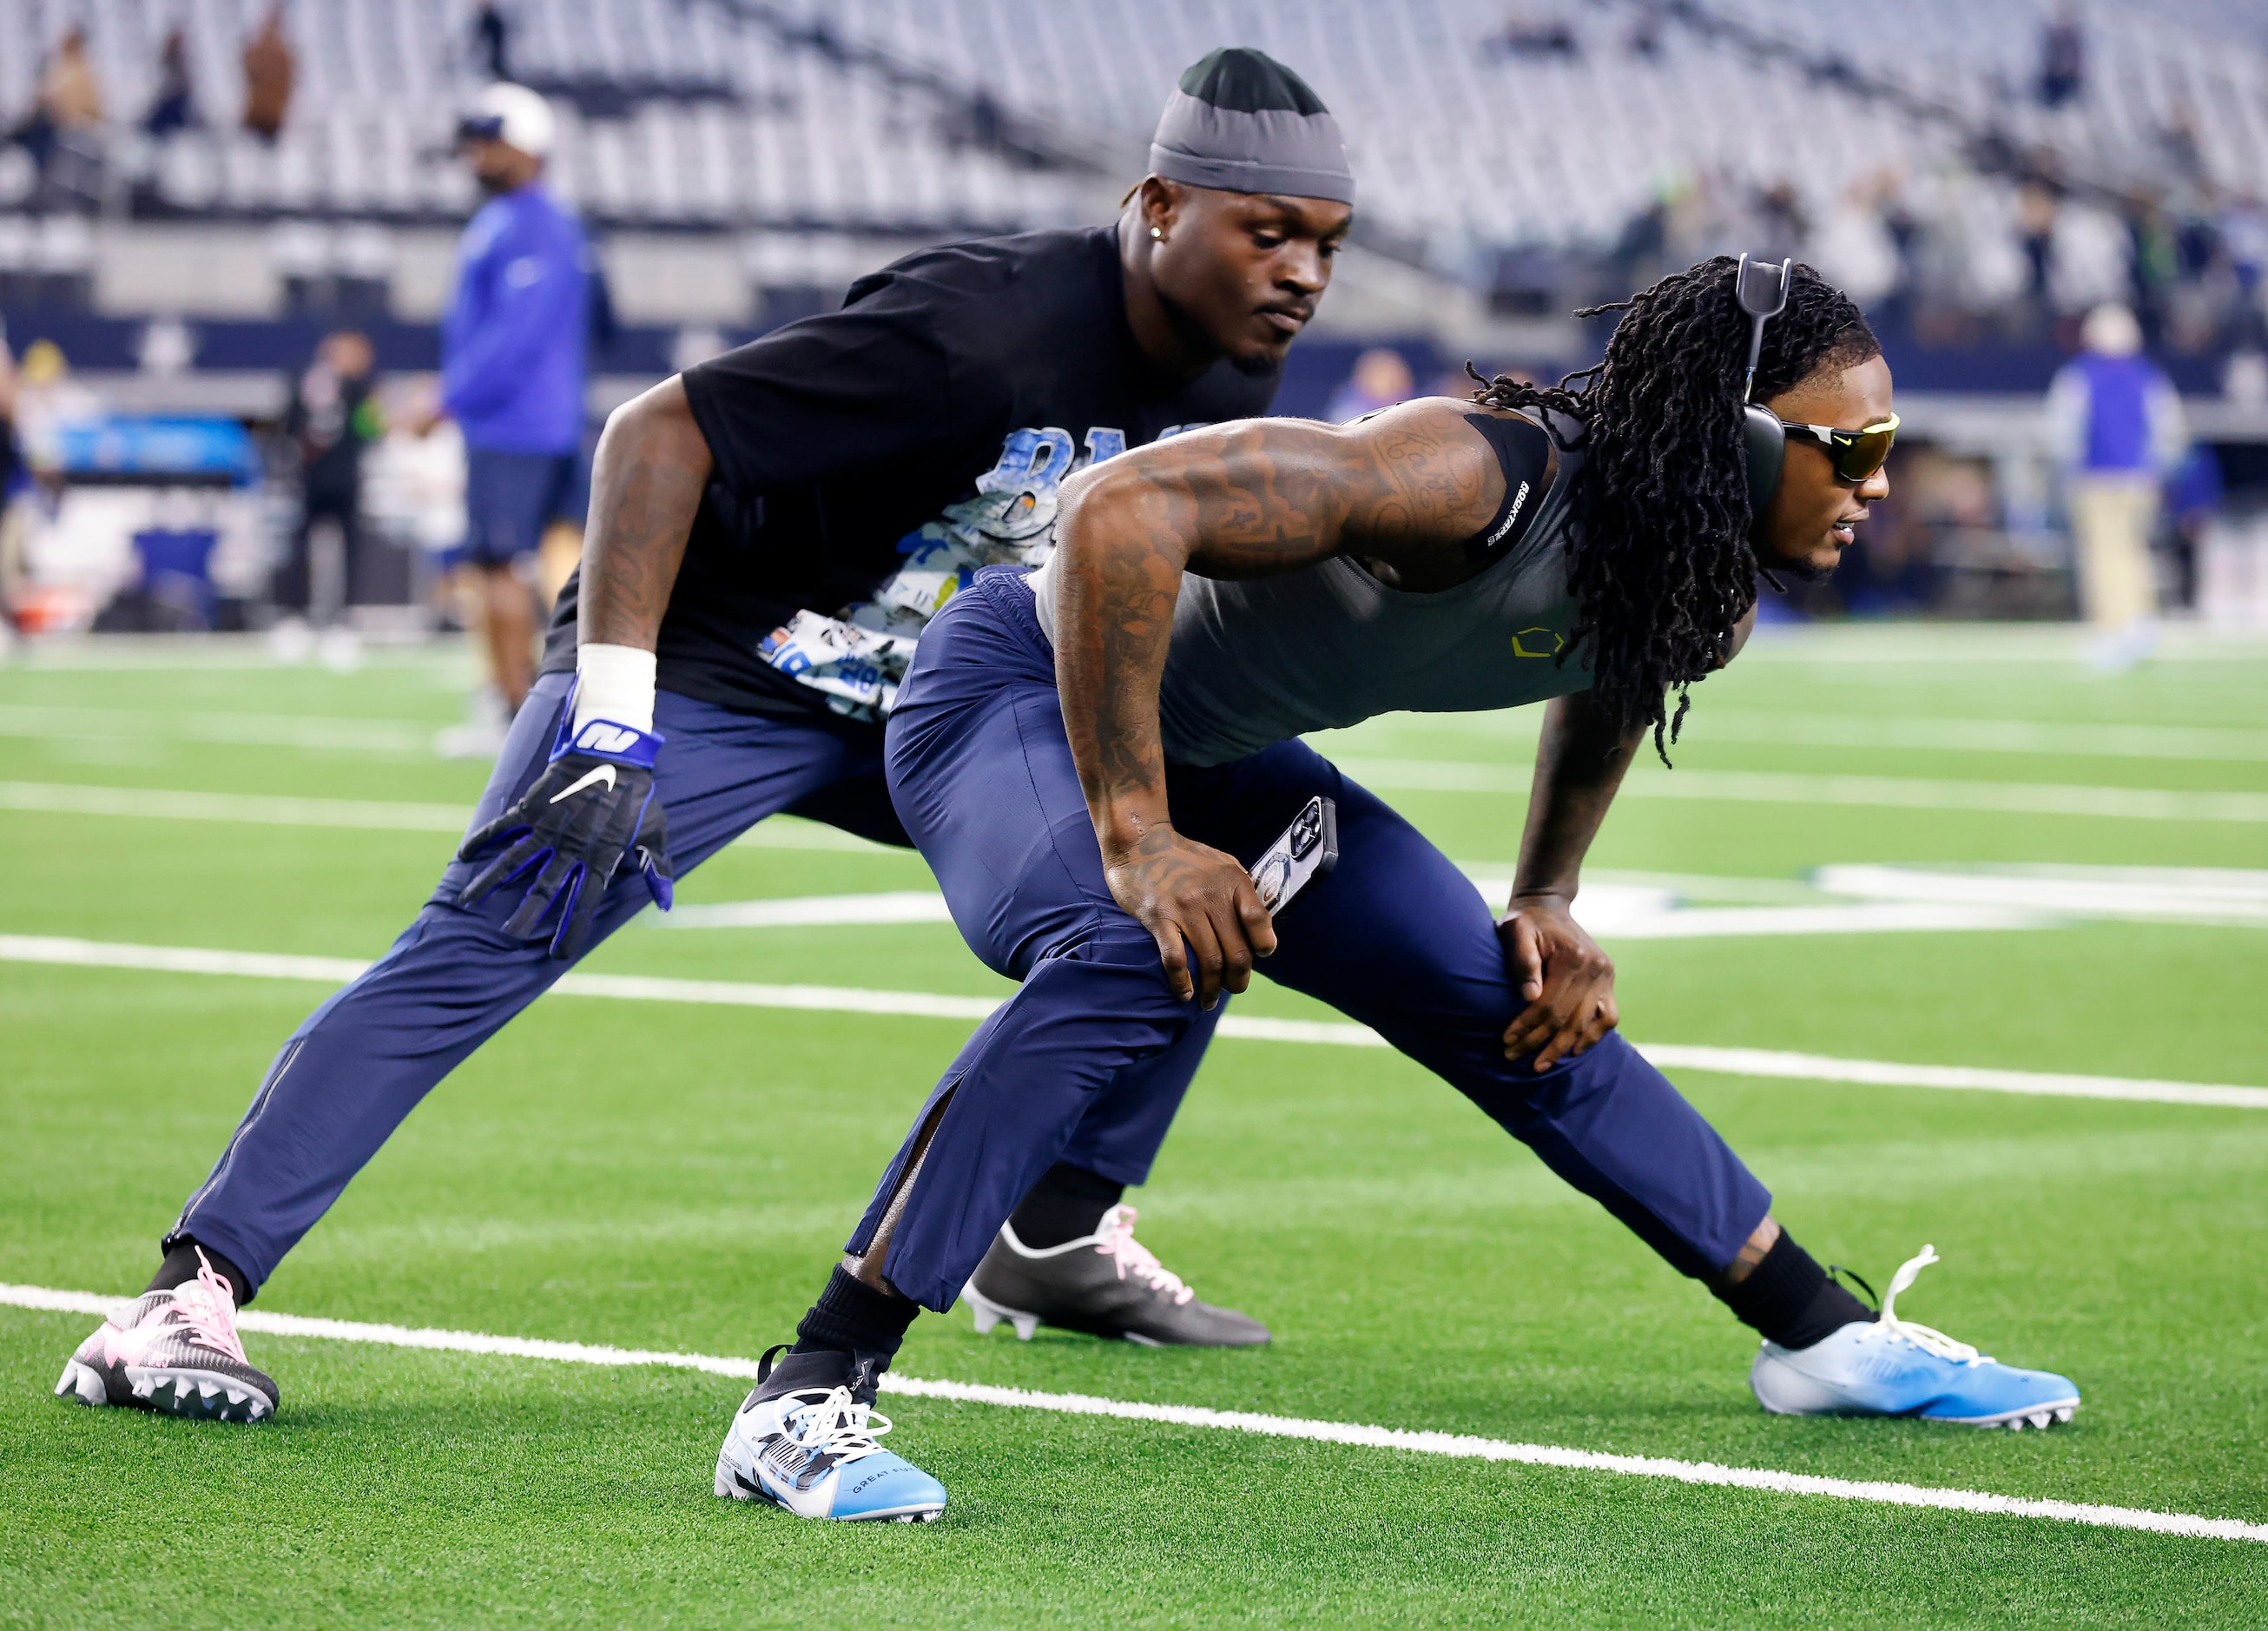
(1243, 122)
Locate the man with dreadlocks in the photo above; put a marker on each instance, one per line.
(1091, 756)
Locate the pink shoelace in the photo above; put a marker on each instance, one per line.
(1132, 1257)
(207, 1307)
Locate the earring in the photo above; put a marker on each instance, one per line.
(1158, 232)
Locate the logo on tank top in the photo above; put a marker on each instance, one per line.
(1537, 643)
(1008, 520)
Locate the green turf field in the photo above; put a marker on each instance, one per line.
(662, 1174)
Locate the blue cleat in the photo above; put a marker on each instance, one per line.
(1892, 1367)
(804, 1439)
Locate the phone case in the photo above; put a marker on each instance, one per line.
(1308, 848)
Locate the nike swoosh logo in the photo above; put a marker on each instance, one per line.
(605, 773)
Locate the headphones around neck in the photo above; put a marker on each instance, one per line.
(1761, 289)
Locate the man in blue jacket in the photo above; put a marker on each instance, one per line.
(512, 365)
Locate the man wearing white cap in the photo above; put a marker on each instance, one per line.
(2118, 426)
(512, 365)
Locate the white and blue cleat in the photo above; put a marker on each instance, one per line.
(1892, 1367)
(804, 1439)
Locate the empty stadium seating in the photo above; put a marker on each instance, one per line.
(739, 113)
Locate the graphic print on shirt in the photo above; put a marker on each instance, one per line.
(858, 657)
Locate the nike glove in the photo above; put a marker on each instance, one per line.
(591, 809)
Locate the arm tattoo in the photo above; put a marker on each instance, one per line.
(1247, 500)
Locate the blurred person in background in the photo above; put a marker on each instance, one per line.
(513, 348)
(492, 41)
(2243, 229)
(15, 480)
(62, 132)
(271, 70)
(1381, 378)
(172, 103)
(2116, 428)
(2193, 500)
(333, 418)
(2063, 58)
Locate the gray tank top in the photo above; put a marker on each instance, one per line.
(1259, 660)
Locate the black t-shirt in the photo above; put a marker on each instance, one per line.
(952, 393)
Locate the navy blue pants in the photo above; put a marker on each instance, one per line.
(511, 497)
(1395, 936)
(363, 1060)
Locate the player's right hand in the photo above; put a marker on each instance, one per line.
(591, 809)
(1199, 905)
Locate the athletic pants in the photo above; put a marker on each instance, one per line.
(1395, 936)
(2111, 516)
(363, 1060)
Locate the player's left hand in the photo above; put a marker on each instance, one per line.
(1567, 981)
(591, 809)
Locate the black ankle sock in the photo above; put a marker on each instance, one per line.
(1066, 1204)
(851, 1316)
(1788, 1298)
(181, 1266)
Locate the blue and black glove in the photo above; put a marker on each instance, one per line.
(589, 810)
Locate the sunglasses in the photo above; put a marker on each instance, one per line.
(1857, 454)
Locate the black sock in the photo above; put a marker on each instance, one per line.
(851, 1316)
(1788, 1298)
(181, 1266)
(1066, 1204)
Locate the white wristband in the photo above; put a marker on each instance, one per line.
(616, 684)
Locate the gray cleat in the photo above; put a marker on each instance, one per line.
(1107, 1284)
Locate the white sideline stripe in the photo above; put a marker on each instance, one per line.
(1463, 1446)
(1339, 1033)
(2026, 798)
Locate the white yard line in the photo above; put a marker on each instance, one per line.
(395, 738)
(1407, 775)
(2023, 797)
(780, 832)
(880, 906)
(2076, 739)
(1478, 733)
(1461, 1446)
(1339, 1033)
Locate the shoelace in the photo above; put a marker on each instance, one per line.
(835, 1424)
(207, 1308)
(1132, 1257)
(1929, 1341)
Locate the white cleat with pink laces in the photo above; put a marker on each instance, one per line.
(1107, 1284)
(175, 1352)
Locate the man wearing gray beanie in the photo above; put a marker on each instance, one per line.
(769, 532)
(1227, 241)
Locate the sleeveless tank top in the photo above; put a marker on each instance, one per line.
(1255, 661)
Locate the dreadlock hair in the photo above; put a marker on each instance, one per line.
(1663, 566)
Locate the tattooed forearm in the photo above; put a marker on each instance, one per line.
(1247, 500)
(646, 482)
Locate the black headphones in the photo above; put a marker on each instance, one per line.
(1761, 289)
